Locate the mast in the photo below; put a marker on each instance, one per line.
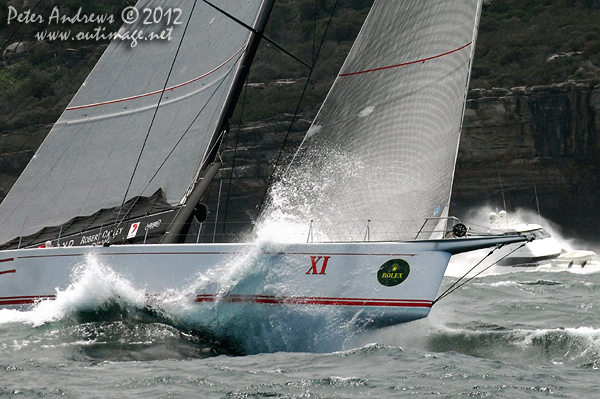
(209, 168)
(242, 73)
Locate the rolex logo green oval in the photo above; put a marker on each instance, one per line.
(393, 272)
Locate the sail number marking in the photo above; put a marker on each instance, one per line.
(133, 230)
(314, 263)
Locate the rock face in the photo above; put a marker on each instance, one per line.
(16, 49)
(527, 140)
(515, 144)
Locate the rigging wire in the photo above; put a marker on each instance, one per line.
(16, 112)
(130, 209)
(502, 190)
(314, 44)
(16, 30)
(176, 145)
(450, 289)
(85, 60)
(313, 61)
(237, 141)
(221, 135)
(82, 62)
(251, 29)
(59, 97)
(278, 160)
(456, 286)
(156, 109)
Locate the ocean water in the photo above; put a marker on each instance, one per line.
(514, 335)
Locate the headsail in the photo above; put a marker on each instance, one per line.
(146, 118)
(382, 150)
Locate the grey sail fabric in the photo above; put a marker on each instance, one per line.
(113, 143)
(379, 158)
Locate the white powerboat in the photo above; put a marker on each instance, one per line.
(544, 252)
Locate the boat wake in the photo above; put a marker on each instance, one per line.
(517, 344)
(99, 316)
(459, 265)
(248, 328)
(102, 316)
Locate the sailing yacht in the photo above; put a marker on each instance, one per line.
(125, 168)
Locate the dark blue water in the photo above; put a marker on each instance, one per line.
(517, 335)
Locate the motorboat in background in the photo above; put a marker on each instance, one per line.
(542, 249)
(544, 252)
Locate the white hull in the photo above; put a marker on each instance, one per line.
(295, 276)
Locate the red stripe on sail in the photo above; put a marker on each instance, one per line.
(8, 271)
(406, 63)
(157, 91)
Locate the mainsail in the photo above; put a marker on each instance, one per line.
(381, 152)
(145, 122)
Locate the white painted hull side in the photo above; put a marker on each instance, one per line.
(296, 276)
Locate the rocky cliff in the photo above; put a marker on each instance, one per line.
(530, 140)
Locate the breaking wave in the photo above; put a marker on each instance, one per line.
(104, 309)
(251, 327)
(578, 346)
(94, 286)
